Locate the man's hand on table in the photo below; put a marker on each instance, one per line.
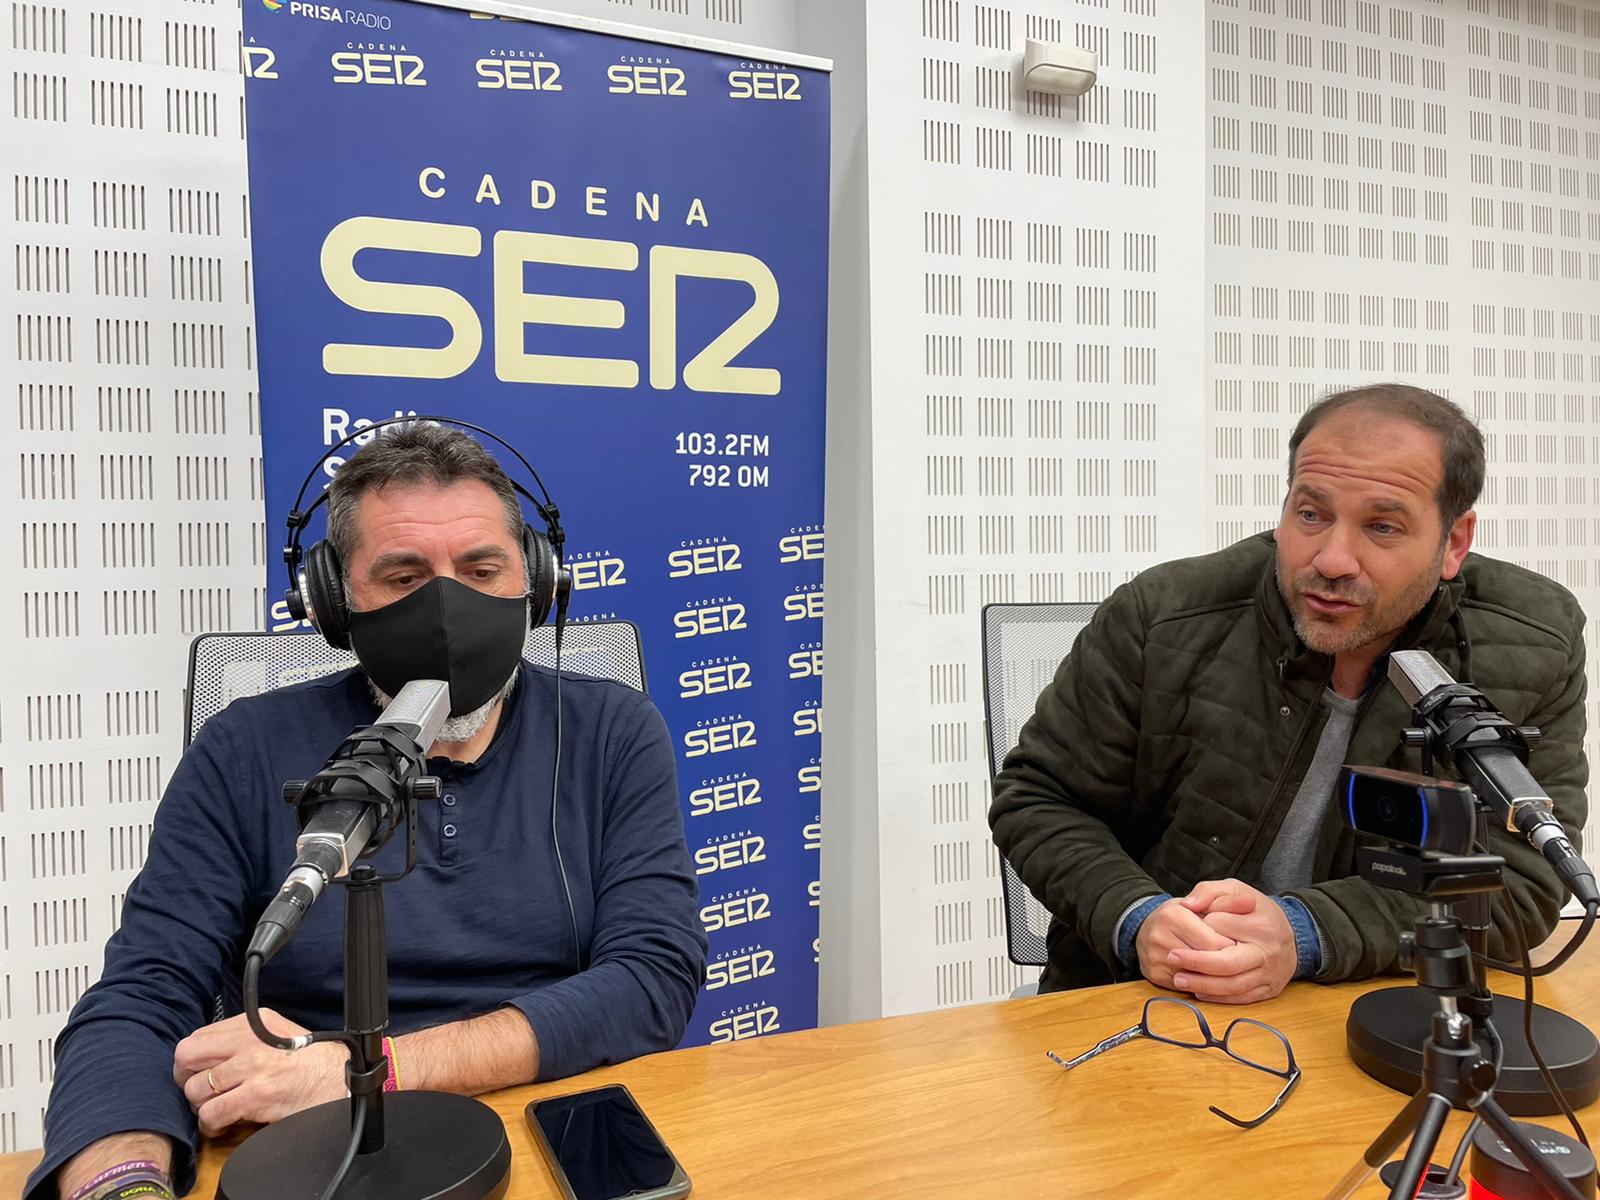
(1258, 960)
(228, 1075)
(1171, 927)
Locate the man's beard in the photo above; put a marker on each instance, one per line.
(455, 729)
(1385, 620)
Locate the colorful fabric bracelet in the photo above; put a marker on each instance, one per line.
(391, 1082)
(143, 1188)
(127, 1181)
(138, 1169)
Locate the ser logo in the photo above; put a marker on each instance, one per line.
(809, 777)
(806, 662)
(708, 618)
(808, 719)
(514, 309)
(260, 63)
(758, 82)
(724, 795)
(718, 737)
(749, 965)
(599, 570)
(731, 854)
(519, 75)
(805, 604)
(378, 67)
(813, 835)
(704, 560)
(713, 678)
(736, 909)
(632, 79)
(807, 546)
(751, 1021)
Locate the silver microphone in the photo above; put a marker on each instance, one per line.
(1490, 755)
(343, 826)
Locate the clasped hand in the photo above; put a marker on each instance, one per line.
(228, 1075)
(1225, 942)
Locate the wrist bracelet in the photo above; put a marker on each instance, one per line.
(391, 1082)
(141, 1169)
(151, 1188)
(140, 1185)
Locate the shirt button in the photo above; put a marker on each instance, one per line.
(449, 801)
(1214, 839)
(449, 831)
(1282, 712)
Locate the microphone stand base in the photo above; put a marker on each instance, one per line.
(1387, 1028)
(437, 1146)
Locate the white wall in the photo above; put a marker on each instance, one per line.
(1035, 315)
(129, 489)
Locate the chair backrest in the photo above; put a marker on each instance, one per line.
(1023, 644)
(225, 666)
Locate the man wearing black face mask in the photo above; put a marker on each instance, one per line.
(485, 984)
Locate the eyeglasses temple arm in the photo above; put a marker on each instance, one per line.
(1111, 1043)
(1294, 1078)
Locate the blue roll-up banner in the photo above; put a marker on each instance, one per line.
(613, 253)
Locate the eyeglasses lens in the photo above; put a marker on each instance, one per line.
(1258, 1046)
(1170, 1021)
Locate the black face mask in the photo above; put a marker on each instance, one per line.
(443, 630)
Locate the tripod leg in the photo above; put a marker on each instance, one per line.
(1430, 1123)
(1527, 1153)
(1378, 1153)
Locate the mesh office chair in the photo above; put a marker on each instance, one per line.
(1023, 644)
(225, 666)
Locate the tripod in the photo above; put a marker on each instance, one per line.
(1455, 1072)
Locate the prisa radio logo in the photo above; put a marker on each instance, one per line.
(326, 12)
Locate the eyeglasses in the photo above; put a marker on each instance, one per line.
(1179, 1023)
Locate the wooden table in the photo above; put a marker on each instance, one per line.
(963, 1103)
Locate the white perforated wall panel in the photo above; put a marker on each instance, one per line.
(130, 481)
(1036, 322)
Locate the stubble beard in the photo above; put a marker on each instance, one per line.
(1327, 637)
(455, 729)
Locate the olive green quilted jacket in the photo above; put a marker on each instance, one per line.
(1175, 735)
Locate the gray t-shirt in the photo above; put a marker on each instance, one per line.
(1293, 854)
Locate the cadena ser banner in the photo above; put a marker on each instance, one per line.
(613, 253)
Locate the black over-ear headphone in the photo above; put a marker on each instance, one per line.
(316, 576)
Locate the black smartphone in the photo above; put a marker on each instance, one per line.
(601, 1147)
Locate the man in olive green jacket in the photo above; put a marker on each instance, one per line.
(1169, 800)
